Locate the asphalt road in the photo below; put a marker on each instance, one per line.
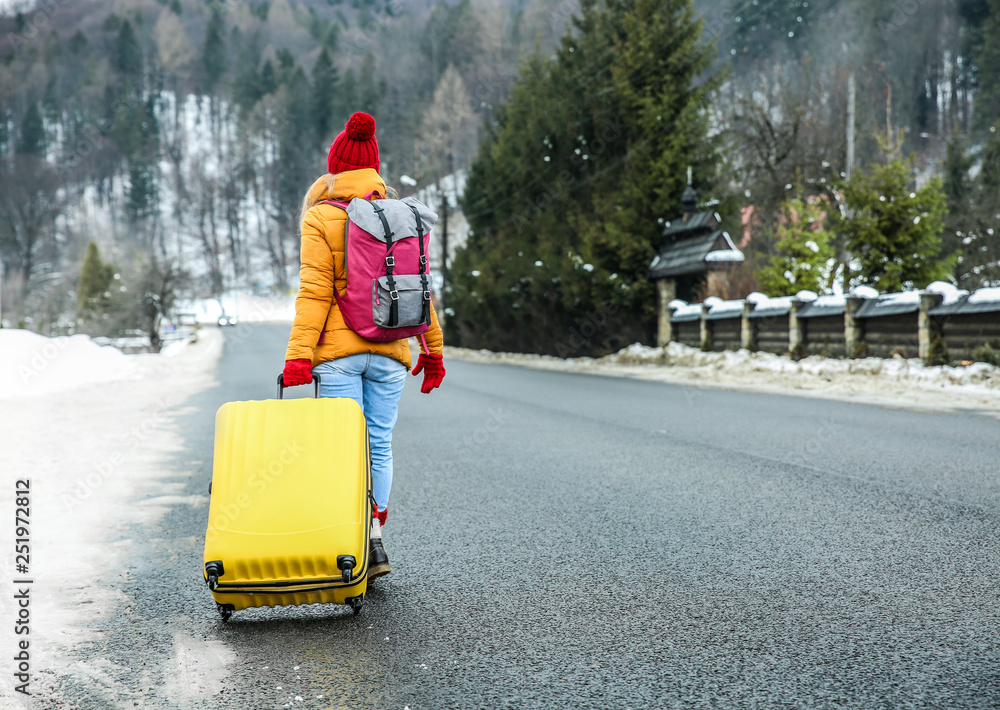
(570, 541)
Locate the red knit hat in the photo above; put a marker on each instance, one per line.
(355, 148)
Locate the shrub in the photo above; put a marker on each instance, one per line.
(938, 354)
(987, 354)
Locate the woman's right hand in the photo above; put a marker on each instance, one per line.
(297, 372)
(433, 368)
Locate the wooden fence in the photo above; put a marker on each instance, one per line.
(905, 324)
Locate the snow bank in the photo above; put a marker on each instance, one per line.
(766, 302)
(687, 309)
(864, 292)
(951, 293)
(725, 255)
(744, 362)
(720, 307)
(31, 364)
(829, 301)
(87, 455)
(985, 295)
(244, 307)
(904, 297)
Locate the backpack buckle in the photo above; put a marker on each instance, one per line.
(427, 295)
(390, 261)
(423, 260)
(394, 295)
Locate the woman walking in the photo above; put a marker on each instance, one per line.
(371, 373)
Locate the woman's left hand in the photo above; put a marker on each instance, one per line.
(297, 372)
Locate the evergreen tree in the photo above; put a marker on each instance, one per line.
(973, 221)
(346, 100)
(213, 53)
(128, 57)
(4, 130)
(764, 27)
(453, 35)
(987, 107)
(261, 10)
(286, 65)
(369, 89)
(956, 183)
(567, 197)
(93, 290)
(325, 81)
(32, 141)
(297, 163)
(960, 220)
(268, 79)
(135, 132)
(892, 230)
(805, 251)
(52, 102)
(248, 85)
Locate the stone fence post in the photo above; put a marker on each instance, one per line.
(796, 341)
(747, 335)
(706, 328)
(854, 329)
(667, 289)
(927, 329)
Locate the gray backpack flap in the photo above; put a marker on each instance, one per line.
(409, 304)
(399, 214)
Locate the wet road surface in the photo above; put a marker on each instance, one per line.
(570, 541)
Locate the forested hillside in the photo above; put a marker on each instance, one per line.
(179, 136)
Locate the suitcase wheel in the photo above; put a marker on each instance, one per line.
(225, 611)
(346, 564)
(356, 603)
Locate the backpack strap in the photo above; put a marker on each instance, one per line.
(425, 311)
(322, 335)
(390, 263)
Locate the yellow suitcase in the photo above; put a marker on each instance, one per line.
(291, 504)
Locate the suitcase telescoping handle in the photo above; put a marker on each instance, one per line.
(281, 386)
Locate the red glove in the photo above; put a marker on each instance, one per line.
(433, 368)
(297, 372)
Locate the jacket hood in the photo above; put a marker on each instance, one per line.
(345, 186)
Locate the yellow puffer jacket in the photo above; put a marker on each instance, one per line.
(323, 268)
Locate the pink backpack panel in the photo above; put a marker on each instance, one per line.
(386, 252)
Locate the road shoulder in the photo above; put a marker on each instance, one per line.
(895, 382)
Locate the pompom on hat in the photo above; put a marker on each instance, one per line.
(355, 148)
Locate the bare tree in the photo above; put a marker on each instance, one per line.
(29, 205)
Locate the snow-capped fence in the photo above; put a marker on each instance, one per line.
(939, 321)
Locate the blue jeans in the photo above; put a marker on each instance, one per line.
(376, 383)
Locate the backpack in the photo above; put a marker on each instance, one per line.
(386, 248)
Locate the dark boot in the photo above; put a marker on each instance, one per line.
(378, 562)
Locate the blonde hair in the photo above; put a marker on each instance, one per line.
(325, 186)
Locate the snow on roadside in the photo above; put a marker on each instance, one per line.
(246, 308)
(94, 452)
(32, 365)
(891, 382)
(741, 362)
